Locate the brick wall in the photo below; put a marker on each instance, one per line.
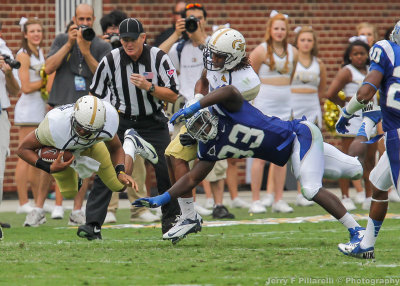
(333, 20)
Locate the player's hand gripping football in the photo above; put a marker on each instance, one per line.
(59, 165)
(185, 113)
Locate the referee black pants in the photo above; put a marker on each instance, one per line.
(155, 131)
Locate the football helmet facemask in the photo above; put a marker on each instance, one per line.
(202, 126)
(88, 118)
(227, 43)
(395, 35)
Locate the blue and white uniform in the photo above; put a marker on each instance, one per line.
(250, 133)
(385, 58)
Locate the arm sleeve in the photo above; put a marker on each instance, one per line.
(100, 79)
(380, 56)
(58, 42)
(167, 74)
(43, 134)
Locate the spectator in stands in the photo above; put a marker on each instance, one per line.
(308, 85)
(9, 85)
(176, 14)
(274, 61)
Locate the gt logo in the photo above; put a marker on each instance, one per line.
(238, 45)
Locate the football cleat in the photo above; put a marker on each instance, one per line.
(90, 232)
(356, 234)
(355, 250)
(143, 148)
(183, 227)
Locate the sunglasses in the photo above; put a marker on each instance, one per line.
(193, 5)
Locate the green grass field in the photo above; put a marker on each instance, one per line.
(279, 254)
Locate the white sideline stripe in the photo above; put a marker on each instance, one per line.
(266, 221)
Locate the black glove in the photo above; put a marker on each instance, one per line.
(186, 139)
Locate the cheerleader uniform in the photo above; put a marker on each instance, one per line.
(31, 108)
(274, 100)
(307, 103)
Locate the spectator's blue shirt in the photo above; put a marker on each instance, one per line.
(249, 133)
(385, 58)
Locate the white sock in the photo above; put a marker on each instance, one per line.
(186, 205)
(348, 221)
(371, 233)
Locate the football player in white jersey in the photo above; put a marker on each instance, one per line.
(88, 128)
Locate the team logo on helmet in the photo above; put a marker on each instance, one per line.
(238, 45)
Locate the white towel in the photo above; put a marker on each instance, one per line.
(85, 166)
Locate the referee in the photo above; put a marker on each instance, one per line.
(137, 78)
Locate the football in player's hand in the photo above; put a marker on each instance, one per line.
(50, 154)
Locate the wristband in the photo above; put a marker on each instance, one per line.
(43, 165)
(371, 84)
(354, 105)
(120, 168)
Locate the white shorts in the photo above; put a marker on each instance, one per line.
(274, 100)
(30, 109)
(307, 104)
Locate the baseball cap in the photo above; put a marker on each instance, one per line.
(130, 28)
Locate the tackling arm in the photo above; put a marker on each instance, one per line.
(181, 187)
(364, 94)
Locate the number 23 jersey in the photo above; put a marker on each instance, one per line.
(249, 133)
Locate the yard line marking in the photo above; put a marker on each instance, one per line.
(266, 221)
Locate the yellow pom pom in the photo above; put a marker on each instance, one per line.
(331, 116)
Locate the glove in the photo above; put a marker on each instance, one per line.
(185, 113)
(187, 140)
(344, 121)
(153, 202)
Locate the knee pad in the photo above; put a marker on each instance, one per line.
(309, 192)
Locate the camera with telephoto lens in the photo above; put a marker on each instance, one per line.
(191, 24)
(114, 40)
(11, 62)
(87, 33)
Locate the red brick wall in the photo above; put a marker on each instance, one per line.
(333, 20)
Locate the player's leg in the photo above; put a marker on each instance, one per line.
(381, 180)
(308, 165)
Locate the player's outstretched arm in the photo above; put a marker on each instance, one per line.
(229, 96)
(364, 94)
(182, 186)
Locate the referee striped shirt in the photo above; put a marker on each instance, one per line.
(112, 78)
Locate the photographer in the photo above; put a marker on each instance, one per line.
(75, 58)
(187, 54)
(9, 85)
(110, 25)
